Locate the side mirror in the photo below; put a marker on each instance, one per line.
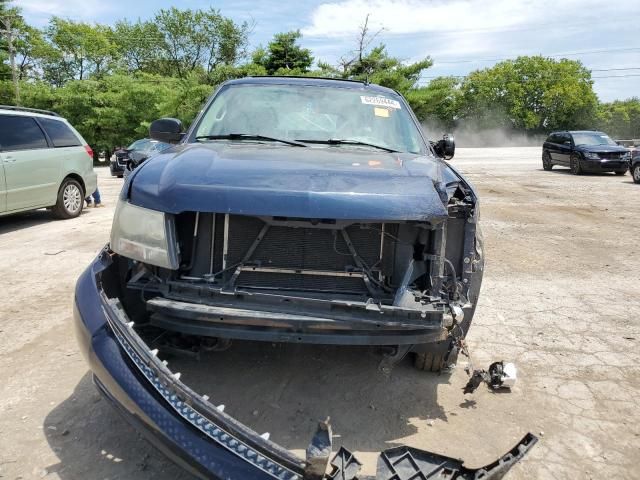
(445, 148)
(167, 130)
(567, 142)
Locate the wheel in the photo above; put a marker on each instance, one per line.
(635, 173)
(546, 161)
(429, 361)
(620, 172)
(576, 165)
(70, 200)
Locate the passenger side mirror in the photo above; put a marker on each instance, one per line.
(445, 148)
(567, 142)
(167, 130)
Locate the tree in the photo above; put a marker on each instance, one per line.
(284, 55)
(534, 94)
(621, 118)
(5, 70)
(77, 50)
(137, 45)
(376, 65)
(199, 40)
(437, 103)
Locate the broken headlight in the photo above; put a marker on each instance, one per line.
(143, 234)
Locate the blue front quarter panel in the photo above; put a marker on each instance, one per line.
(121, 383)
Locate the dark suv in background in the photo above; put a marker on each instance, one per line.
(134, 154)
(585, 151)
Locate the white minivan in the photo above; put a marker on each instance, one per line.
(44, 162)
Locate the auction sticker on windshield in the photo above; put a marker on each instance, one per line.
(380, 101)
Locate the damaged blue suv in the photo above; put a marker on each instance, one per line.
(293, 210)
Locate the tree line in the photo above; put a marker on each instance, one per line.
(110, 81)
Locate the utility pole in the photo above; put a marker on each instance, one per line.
(12, 57)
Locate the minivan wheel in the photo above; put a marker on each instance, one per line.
(70, 200)
(635, 173)
(546, 161)
(576, 167)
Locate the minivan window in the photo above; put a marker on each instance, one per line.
(20, 133)
(59, 133)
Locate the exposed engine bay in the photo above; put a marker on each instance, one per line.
(394, 283)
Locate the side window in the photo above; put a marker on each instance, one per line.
(20, 133)
(565, 138)
(553, 138)
(59, 133)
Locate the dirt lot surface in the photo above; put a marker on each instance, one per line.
(560, 298)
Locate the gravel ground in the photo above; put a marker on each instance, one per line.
(560, 299)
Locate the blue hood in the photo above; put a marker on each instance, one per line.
(274, 180)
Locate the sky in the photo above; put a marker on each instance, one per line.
(459, 35)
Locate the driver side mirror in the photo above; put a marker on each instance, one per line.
(445, 148)
(167, 130)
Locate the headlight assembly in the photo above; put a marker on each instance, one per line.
(626, 156)
(143, 234)
(591, 155)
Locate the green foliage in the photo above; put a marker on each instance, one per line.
(437, 103)
(193, 40)
(78, 50)
(283, 55)
(112, 81)
(531, 94)
(620, 119)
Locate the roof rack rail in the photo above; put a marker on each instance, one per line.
(25, 109)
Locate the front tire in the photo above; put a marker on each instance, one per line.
(70, 200)
(635, 173)
(576, 165)
(546, 161)
(429, 361)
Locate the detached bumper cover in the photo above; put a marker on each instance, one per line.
(202, 438)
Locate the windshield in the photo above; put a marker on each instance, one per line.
(313, 114)
(139, 144)
(147, 145)
(593, 138)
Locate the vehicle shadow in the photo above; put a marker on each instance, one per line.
(284, 389)
(93, 441)
(567, 171)
(20, 221)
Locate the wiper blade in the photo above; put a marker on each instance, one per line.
(336, 141)
(249, 136)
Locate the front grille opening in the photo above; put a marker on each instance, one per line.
(319, 256)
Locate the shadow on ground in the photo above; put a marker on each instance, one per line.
(283, 389)
(18, 221)
(93, 441)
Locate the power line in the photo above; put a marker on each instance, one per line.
(553, 55)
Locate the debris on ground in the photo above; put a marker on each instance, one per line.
(499, 375)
